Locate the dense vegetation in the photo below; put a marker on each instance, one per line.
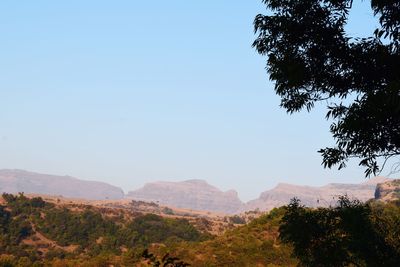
(351, 234)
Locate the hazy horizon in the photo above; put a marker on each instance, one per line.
(128, 93)
(127, 190)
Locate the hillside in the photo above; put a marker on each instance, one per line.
(62, 232)
(39, 231)
(14, 181)
(254, 244)
(66, 233)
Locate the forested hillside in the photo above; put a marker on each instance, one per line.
(39, 233)
(34, 232)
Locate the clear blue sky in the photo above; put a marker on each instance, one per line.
(129, 92)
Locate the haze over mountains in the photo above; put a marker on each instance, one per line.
(198, 194)
(311, 196)
(190, 194)
(193, 194)
(14, 181)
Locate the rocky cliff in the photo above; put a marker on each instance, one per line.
(312, 196)
(191, 194)
(14, 181)
(388, 191)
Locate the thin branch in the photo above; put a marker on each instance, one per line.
(384, 163)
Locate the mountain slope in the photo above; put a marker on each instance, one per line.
(14, 181)
(192, 194)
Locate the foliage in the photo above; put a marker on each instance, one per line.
(68, 228)
(13, 225)
(166, 261)
(20, 204)
(236, 219)
(312, 59)
(151, 228)
(352, 233)
(168, 211)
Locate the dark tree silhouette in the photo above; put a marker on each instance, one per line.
(312, 59)
(351, 234)
(166, 261)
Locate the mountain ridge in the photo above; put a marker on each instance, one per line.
(15, 181)
(194, 194)
(312, 196)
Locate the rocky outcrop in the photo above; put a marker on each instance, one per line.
(14, 181)
(388, 191)
(312, 196)
(191, 194)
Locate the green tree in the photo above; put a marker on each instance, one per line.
(312, 59)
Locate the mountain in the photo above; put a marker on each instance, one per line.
(194, 194)
(14, 181)
(388, 191)
(312, 196)
(191, 194)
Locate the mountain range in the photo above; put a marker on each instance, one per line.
(311, 196)
(15, 181)
(190, 194)
(198, 194)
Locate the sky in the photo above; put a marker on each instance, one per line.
(129, 92)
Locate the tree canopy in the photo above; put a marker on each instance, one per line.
(311, 59)
(350, 234)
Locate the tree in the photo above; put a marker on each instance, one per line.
(166, 261)
(312, 59)
(351, 234)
